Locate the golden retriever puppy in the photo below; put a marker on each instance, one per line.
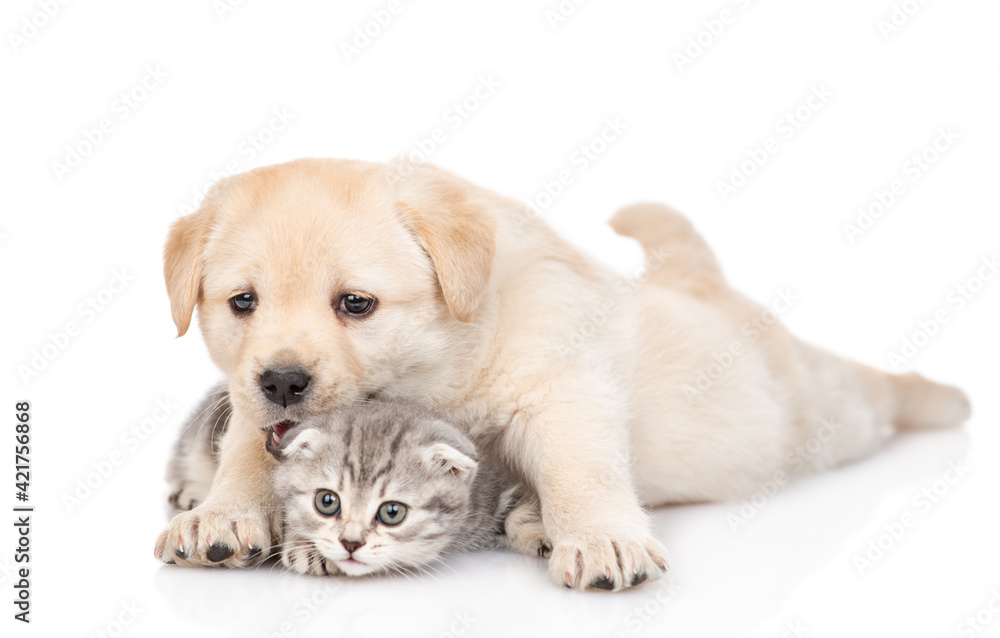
(320, 282)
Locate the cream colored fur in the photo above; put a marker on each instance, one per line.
(579, 379)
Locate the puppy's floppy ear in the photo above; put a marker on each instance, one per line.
(182, 262)
(458, 233)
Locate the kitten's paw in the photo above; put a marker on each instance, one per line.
(186, 496)
(610, 561)
(525, 532)
(302, 557)
(543, 547)
(216, 535)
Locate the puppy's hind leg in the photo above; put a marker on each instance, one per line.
(678, 256)
(922, 404)
(852, 406)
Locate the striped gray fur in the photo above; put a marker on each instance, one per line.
(375, 452)
(192, 467)
(380, 452)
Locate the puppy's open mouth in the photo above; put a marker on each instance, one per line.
(275, 433)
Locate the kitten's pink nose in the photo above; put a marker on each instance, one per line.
(351, 546)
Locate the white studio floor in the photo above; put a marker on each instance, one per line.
(793, 569)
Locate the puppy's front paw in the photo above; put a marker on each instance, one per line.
(302, 557)
(216, 535)
(610, 561)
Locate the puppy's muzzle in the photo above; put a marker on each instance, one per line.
(284, 386)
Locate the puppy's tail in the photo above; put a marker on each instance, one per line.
(675, 253)
(922, 404)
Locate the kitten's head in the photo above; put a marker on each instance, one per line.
(376, 487)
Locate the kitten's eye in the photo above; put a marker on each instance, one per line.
(391, 513)
(327, 503)
(243, 303)
(356, 304)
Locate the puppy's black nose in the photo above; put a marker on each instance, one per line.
(284, 386)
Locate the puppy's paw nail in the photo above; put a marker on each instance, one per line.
(219, 552)
(603, 583)
(638, 579)
(253, 553)
(179, 552)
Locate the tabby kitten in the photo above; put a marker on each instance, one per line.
(379, 487)
(192, 467)
(389, 487)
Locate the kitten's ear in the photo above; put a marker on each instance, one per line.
(445, 459)
(300, 443)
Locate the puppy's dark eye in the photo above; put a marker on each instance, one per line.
(356, 304)
(243, 303)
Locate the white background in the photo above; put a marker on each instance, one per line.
(63, 235)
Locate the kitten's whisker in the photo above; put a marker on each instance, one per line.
(211, 407)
